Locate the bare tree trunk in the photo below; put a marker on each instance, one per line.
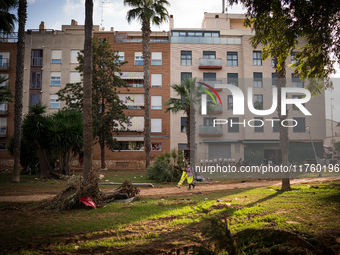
(146, 57)
(19, 89)
(87, 101)
(284, 138)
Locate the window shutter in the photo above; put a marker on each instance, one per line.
(137, 99)
(74, 55)
(56, 54)
(156, 55)
(156, 102)
(156, 80)
(156, 125)
(74, 77)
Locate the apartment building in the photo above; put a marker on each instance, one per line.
(219, 53)
(50, 62)
(129, 47)
(8, 55)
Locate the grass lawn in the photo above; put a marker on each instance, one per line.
(151, 225)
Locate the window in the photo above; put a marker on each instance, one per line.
(258, 80)
(274, 79)
(55, 78)
(156, 146)
(209, 54)
(139, 59)
(3, 126)
(156, 58)
(132, 101)
(230, 102)
(36, 57)
(292, 57)
(121, 57)
(4, 59)
(258, 102)
(185, 76)
(2, 146)
(56, 56)
(3, 106)
(232, 59)
(186, 58)
(257, 61)
(131, 145)
(74, 56)
(54, 102)
(232, 78)
(258, 123)
(156, 125)
(296, 81)
(156, 80)
(75, 77)
(135, 83)
(5, 83)
(232, 127)
(301, 125)
(35, 80)
(296, 97)
(156, 102)
(208, 121)
(184, 124)
(275, 124)
(35, 99)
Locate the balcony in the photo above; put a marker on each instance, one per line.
(3, 131)
(209, 63)
(210, 131)
(4, 64)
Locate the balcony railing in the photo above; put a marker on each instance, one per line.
(211, 131)
(8, 37)
(4, 63)
(3, 131)
(208, 63)
(207, 40)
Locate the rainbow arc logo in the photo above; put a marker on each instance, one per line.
(209, 93)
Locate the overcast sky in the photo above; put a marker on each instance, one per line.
(187, 14)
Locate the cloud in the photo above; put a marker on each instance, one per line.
(72, 6)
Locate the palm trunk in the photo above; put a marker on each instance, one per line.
(146, 64)
(102, 153)
(188, 122)
(87, 100)
(19, 90)
(284, 138)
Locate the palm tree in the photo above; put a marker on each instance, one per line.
(5, 94)
(189, 96)
(7, 19)
(22, 11)
(87, 101)
(147, 12)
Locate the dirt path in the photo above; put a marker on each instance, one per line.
(172, 190)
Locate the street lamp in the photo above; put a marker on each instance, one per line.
(308, 129)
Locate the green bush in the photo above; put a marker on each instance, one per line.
(167, 167)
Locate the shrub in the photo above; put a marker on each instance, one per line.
(167, 167)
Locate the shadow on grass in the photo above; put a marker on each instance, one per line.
(264, 199)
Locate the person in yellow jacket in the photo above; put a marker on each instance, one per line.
(188, 173)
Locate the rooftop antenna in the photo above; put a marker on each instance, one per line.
(102, 16)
